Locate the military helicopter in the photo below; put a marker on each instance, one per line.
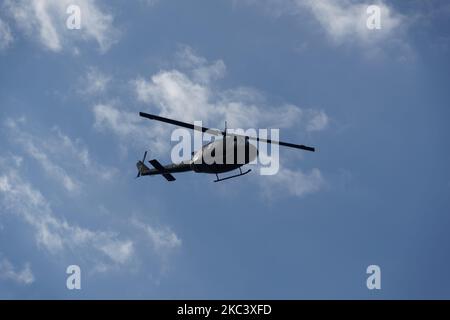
(230, 141)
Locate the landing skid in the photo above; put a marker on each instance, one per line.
(230, 177)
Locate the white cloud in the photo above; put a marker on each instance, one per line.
(52, 169)
(33, 148)
(318, 121)
(295, 183)
(202, 70)
(74, 153)
(47, 20)
(58, 155)
(118, 251)
(6, 37)
(104, 250)
(63, 143)
(343, 21)
(130, 128)
(192, 95)
(95, 82)
(163, 239)
(9, 272)
(175, 94)
(57, 235)
(150, 3)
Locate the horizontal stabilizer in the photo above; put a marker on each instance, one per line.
(162, 170)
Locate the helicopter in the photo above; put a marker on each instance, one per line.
(230, 141)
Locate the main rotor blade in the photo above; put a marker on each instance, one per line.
(181, 124)
(219, 133)
(281, 143)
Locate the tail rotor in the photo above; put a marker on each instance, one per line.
(140, 164)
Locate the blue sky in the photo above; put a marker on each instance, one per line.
(374, 103)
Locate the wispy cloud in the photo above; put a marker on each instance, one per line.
(9, 272)
(292, 182)
(318, 120)
(6, 37)
(202, 70)
(54, 234)
(49, 17)
(35, 149)
(94, 82)
(58, 155)
(163, 239)
(344, 22)
(129, 127)
(103, 250)
(150, 2)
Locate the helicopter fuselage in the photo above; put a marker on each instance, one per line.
(223, 155)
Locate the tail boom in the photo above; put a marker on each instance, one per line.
(159, 169)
